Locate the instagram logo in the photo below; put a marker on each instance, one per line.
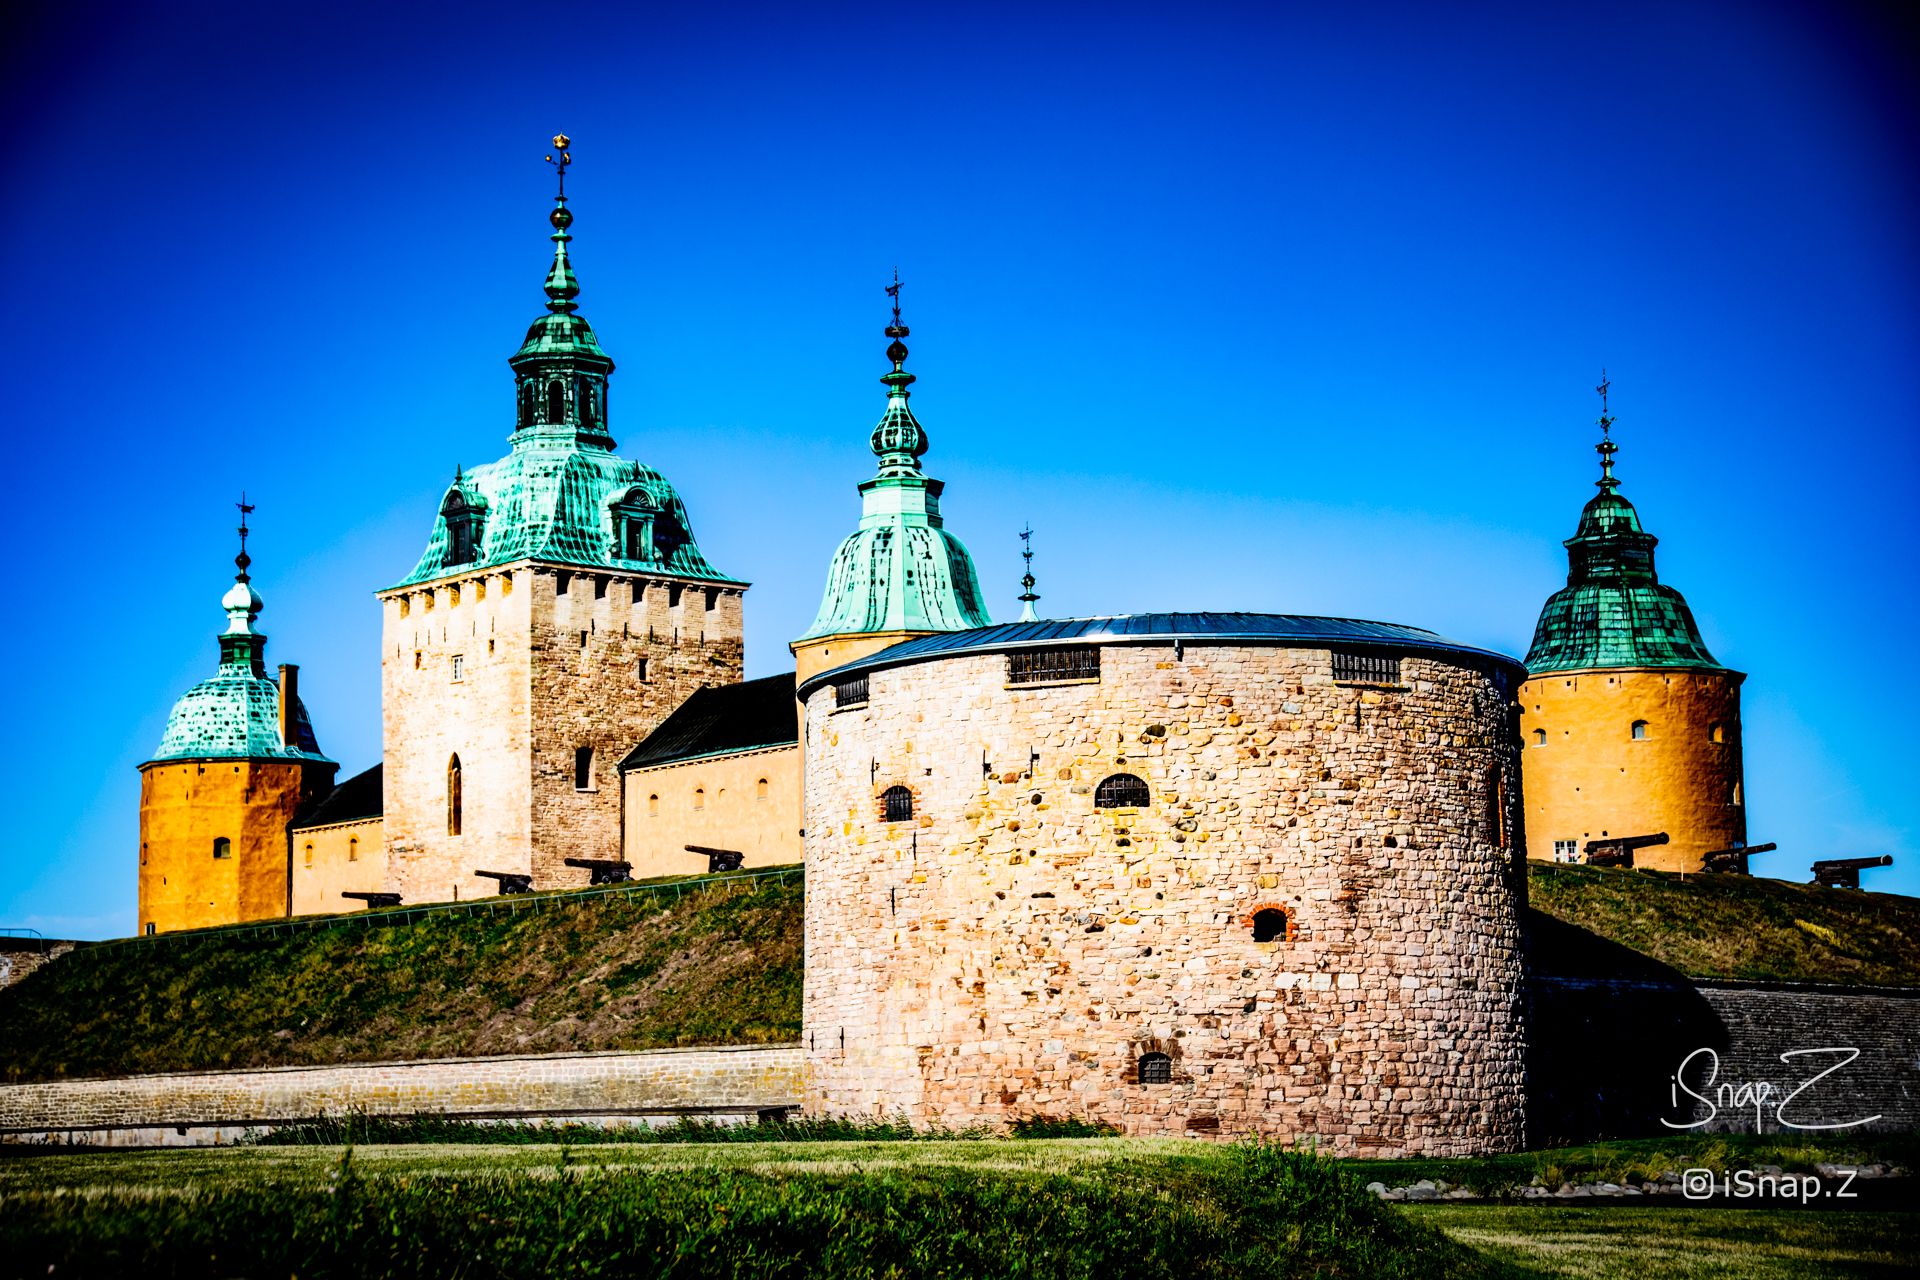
(1697, 1184)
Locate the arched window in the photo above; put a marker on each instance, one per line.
(353, 848)
(465, 519)
(1122, 791)
(583, 396)
(653, 806)
(556, 401)
(223, 847)
(1272, 924)
(1155, 1068)
(1639, 730)
(1539, 737)
(634, 513)
(760, 789)
(309, 853)
(1718, 733)
(526, 403)
(898, 802)
(699, 797)
(1736, 793)
(583, 768)
(453, 796)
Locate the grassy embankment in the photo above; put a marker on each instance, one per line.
(984, 1208)
(1738, 926)
(720, 965)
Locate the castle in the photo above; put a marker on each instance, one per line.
(1181, 872)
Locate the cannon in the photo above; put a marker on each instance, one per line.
(1617, 851)
(604, 870)
(719, 859)
(1733, 861)
(1844, 873)
(373, 900)
(509, 881)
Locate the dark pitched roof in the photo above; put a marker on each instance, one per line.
(728, 717)
(355, 800)
(1279, 629)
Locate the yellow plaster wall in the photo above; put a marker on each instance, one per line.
(733, 814)
(184, 807)
(1591, 778)
(327, 860)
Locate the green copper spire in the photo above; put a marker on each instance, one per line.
(1614, 611)
(900, 570)
(1028, 596)
(235, 715)
(562, 495)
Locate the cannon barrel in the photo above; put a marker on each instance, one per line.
(1627, 842)
(510, 881)
(372, 899)
(603, 870)
(1853, 864)
(719, 859)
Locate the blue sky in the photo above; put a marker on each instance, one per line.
(1283, 307)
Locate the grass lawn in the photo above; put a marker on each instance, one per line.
(1104, 1207)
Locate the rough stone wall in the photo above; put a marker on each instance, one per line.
(1591, 777)
(223, 1104)
(1582, 1087)
(544, 671)
(745, 800)
(328, 860)
(186, 806)
(1013, 951)
(22, 956)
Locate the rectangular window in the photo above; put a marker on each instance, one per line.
(459, 667)
(1566, 851)
(561, 581)
(1365, 668)
(850, 693)
(1043, 666)
(640, 667)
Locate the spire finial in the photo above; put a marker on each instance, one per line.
(899, 379)
(1027, 594)
(1606, 448)
(562, 287)
(242, 560)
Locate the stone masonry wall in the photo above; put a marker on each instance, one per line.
(220, 1105)
(1014, 951)
(22, 956)
(543, 671)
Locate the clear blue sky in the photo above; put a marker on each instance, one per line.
(1293, 308)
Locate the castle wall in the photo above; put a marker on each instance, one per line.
(328, 860)
(744, 800)
(22, 956)
(1013, 951)
(1591, 778)
(544, 671)
(185, 806)
(206, 1107)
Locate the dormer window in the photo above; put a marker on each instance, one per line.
(634, 514)
(465, 519)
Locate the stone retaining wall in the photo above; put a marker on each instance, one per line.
(22, 956)
(203, 1107)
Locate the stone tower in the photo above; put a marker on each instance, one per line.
(1630, 726)
(900, 574)
(561, 611)
(236, 764)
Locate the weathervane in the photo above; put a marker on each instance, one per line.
(562, 142)
(893, 291)
(1027, 596)
(1606, 448)
(243, 559)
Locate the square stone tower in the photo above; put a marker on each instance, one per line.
(561, 611)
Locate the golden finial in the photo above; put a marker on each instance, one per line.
(561, 143)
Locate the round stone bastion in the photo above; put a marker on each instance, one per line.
(1183, 874)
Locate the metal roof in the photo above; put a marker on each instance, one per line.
(360, 798)
(1281, 630)
(749, 716)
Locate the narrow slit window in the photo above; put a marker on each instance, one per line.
(583, 768)
(454, 797)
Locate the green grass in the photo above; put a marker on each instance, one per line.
(614, 971)
(1633, 1242)
(1733, 926)
(853, 1211)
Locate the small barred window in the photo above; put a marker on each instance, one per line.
(1122, 791)
(899, 804)
(851, 692)
(1156, 1068)
(1041, 666)
(1365, 668)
